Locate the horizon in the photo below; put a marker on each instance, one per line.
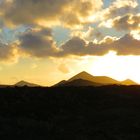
(66, 80)
(60, 39)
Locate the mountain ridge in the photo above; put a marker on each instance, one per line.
(128, 82)
(78, 83)
(97, 79)
(25, 83)
(90, 80)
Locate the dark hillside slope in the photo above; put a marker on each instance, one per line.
(78, 83)
(97, 79)
(24, 83)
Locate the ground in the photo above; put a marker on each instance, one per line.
(66, 113)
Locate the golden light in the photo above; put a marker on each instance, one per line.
(117, 67)
(136, 34)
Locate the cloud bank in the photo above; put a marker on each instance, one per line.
(48, 12)
(38, 41)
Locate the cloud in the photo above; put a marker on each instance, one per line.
(75, 46)
(63, 68)
(127, 45)
(127, 22)
(88, 35)
(120, 8)
(108, 40)
(48, 13)
(37, 42)
(78, 46)
(135, 34)
(8, 52)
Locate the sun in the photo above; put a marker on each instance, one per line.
(117, 67)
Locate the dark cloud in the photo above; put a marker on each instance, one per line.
(78, 46)
(47, 12)
(127, 22)
(126, 45)
(74, 46)
(38, 42)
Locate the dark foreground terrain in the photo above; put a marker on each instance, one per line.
(70, 113)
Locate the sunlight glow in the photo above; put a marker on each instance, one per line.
(136, 34)
(118, 67)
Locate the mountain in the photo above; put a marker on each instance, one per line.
(82, 75)
(4, 86)
(78, 83)
(97, 79)
(24, 83)
(61, 83)
(128, 82)
(86, 79)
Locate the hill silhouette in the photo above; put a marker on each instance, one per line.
(4, 86)
(24, 83)
(61, 83)
(86, 79)
(128, 82)
(98, 79)
(78, 83)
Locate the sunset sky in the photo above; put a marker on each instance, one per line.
(46, 41)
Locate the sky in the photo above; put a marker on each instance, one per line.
(47, 41)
